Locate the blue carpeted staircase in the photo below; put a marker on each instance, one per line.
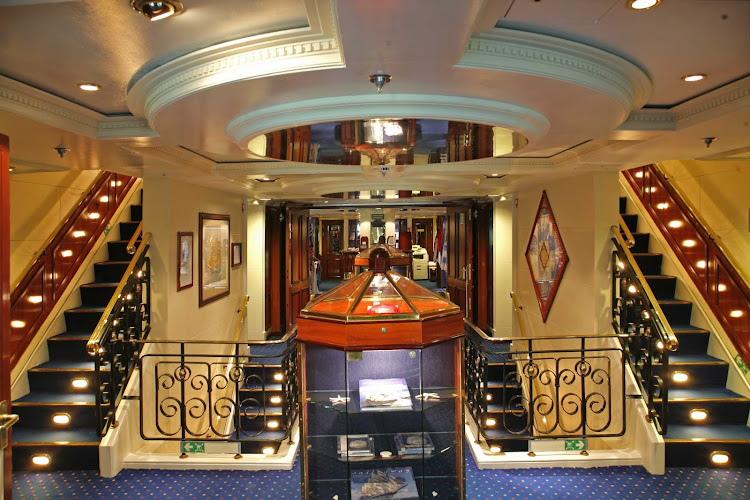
(690, 442)
(62, 388)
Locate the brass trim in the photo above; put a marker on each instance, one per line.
(94, 343)
(282, 340)
(517, 308)
(241, 319)
(134, 239)
(54, 232)
(714, 237)
(48, 403)
(560, 337)
(37, 444)
(671, 340)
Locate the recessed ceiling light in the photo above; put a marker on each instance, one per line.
(642, 4)
(89, 87)
(155, 10)
(693, 78)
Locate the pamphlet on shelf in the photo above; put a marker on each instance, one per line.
(356, 445)
(384, 394)
(393, 483)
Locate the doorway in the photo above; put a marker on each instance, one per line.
(331, 249)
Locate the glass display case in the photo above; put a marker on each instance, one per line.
(381, 390)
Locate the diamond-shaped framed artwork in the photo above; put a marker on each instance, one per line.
(546, 256)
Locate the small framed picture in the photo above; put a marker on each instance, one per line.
(236, 254)
(184, 260)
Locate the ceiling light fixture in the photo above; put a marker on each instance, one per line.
(694, 78)
(642, 4)
(379, 80)
(89, 87)
(156, 11)
(61, 150)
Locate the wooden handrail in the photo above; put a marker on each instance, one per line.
(63, 222)
(132, 243)
(698, 218)
(671, 342)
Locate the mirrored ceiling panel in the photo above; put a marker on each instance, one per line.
(387, 141)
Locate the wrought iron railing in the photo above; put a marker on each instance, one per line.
(647, 337)
(219, 391)
(710, 265)
(113, 344)
(545, 387)
(43, 282)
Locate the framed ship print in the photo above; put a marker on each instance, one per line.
(546, 256)
(184, 260)
(213, 257)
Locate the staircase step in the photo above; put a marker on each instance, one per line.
(57, 398)
(642, 241)
(692, 445)
(136, 213)
(662, 286)
(110, 271)
(720, 411)
(649, 263)
(68, 450)
(700, 374)
(691, 339)
(69, 347)
(118, 250)
(39, 415)
(127, 229)
(97, 294)
(83, 319)
(711, 432)
(677, 312)
(58, 375)
(506, 440)
(623, 204)
(631, 220)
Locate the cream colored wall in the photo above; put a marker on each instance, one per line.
(502, 249)
(718, 190)
(38, 203)
(584, 206)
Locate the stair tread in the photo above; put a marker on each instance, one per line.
(503, 407)
(659, 276)
(646, 253)
(702, 393)
(737, 432)
(499, 433)
(266, 435)
(672, 302)
(56, 397)
(688, 329)
(694, 358)
(52, 436)
(84, 308)
(64, 364)
(99, 284)
(111, 262)
(256, 387)
(76, 335)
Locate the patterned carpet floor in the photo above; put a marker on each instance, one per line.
(609, 483)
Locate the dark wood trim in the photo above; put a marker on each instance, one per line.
(483, 266)
(203, 216)
(231, 254)
(179, 257)
(275, 250)
(5, 352)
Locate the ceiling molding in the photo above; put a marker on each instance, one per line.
(650, 119)
(528, 122)
(316, 47)
(730, 97)
(555, 58)
(121, 128)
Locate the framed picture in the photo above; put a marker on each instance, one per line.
(213, 257)
(184, 260)
(236, 254)
(546, 256)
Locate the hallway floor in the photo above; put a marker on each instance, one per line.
(612, 483)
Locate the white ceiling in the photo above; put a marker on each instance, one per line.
(180, 96)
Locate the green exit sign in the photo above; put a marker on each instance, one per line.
(575, 444)
(195, 447)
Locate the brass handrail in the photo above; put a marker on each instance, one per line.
(241, 319)
(94, 343)
(282, 340)
(134, 239)
(628, 234)
(517, 308)
(711, 234)
(63, 222)
(499, 340)
(671, 342)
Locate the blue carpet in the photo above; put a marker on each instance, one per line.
(610, 483)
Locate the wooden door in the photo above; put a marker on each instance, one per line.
(459, 240)
(331, 248)
(297, 264)
(5, 303)
(275, 277)
(422, 230)
(483, 268)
